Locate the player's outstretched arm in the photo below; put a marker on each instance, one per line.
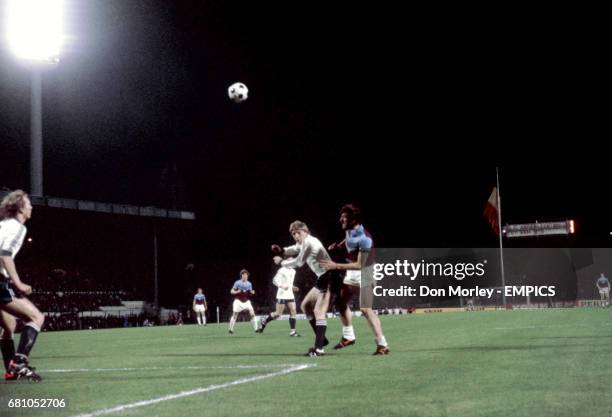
(293, 250)
(336, 246)
(300, 257)
(277, 250)
(328, 264)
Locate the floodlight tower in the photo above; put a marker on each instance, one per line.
(34, 34)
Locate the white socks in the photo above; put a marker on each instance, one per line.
(348, 333)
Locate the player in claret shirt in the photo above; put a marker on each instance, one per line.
(359, 245)
(243, 290)
(200, 307)
(603, 285)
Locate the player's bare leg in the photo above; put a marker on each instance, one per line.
(308, 304)
(272, 316)
(201, 317)
(320, 323)
(374, 322)
(313, 305)
(7, 343)
(366, 300)
(23, 309)
(347, 294)
(232, 322)
(253, 319)
(292, 321)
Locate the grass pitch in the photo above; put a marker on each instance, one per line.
(506, 363)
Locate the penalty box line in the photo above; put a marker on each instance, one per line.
(164, 368)
(182, 394)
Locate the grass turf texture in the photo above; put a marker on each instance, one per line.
(506, 363)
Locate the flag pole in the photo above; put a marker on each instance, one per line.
(501, 245)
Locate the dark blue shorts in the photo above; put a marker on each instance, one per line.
(330, 281)
(6, 292)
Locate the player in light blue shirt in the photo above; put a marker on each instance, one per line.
(242, 290)
(603, 285)
(358, 245)
(200, 307)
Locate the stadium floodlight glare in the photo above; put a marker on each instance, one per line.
(34, 34)
(34, 29)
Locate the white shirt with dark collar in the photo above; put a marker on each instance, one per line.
(311, 251)
(12, 233)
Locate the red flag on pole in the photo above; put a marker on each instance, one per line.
(490, 211)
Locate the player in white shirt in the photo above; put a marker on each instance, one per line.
(15, 210)
(603, 285)
(199, 307)
(309, 250)
(284, 297)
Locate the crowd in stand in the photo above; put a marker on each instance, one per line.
(60, 280)
(67, 300)
(63, 321)
(75, 301)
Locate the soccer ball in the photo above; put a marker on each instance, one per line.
(238, 92)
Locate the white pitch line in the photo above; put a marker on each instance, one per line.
(515, 328)
(182, 394)
(161, 368)
(550, 326)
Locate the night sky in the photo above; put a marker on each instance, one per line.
(405, 113)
